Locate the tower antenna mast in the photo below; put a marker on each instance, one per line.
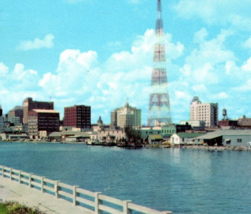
(159, 112)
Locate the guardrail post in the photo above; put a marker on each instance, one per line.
(56, 188)
(10, 173)
(30, 179)
(74, 195)
(42, 184)
(126, 210)
(19, 176)
(97, 203)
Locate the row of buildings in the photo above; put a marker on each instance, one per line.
(39, 120)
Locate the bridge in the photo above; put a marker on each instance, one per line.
(53, 196)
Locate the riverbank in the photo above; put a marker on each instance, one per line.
(202, 147)
(218, 148)
(148, 146)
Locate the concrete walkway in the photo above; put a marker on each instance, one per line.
(13, 191)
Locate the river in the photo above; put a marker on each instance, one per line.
(180, 180)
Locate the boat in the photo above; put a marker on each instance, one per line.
(109, 143)
(94, 142)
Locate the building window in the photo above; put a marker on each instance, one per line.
(239, 140)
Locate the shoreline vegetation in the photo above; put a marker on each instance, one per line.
(12, 207)
(165, 145)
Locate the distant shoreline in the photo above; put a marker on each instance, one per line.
(153, 146)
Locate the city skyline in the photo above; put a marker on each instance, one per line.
(100, 53)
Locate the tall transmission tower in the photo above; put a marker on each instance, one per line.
(159, 105)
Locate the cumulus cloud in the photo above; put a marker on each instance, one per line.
(247, 43)
(107, 85)
(3, 69)
(245, 87)
(16, 84)
(203, 64)
(199, 88)
(217, 12)
(247, 65)
(46, 42)
(71, 74)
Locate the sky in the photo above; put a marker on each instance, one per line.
(99, 53)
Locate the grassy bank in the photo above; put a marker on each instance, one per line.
(3, 209)
(11, 207)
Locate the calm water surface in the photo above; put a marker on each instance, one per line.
(180, 180)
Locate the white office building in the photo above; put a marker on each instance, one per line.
(126, 116)
(207, 112)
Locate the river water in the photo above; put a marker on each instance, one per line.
(180, 180)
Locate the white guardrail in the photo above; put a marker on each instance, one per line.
(94, 202)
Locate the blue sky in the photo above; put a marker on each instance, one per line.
(99, 53)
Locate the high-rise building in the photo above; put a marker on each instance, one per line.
(42, 120)
(16, 115)
(29, 104)
(159, 106)
(78, 116)
(207, 112)
(1, 111)
(126, 116)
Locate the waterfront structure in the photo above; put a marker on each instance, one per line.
(78, 116)
(69, 136)
(126, 116)
(13, 137)
(155, 139)
(42, 120)
(186, 138)
(107, 133)
(207, 112)
(159, 104)
(227, 138)
(164, 131)
(29, 104)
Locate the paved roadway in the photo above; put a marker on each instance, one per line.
(13, 191)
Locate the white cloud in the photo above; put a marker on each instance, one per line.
(217, 12)
(200, 36)
(74, 73)
(247, 43)
(203, 66)
(247, 65)
(245, 87)
(199, 88)
(125, 74)
(222, 95)
(230, 66)
(3, 69)
(47, 42)
(17, 84)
